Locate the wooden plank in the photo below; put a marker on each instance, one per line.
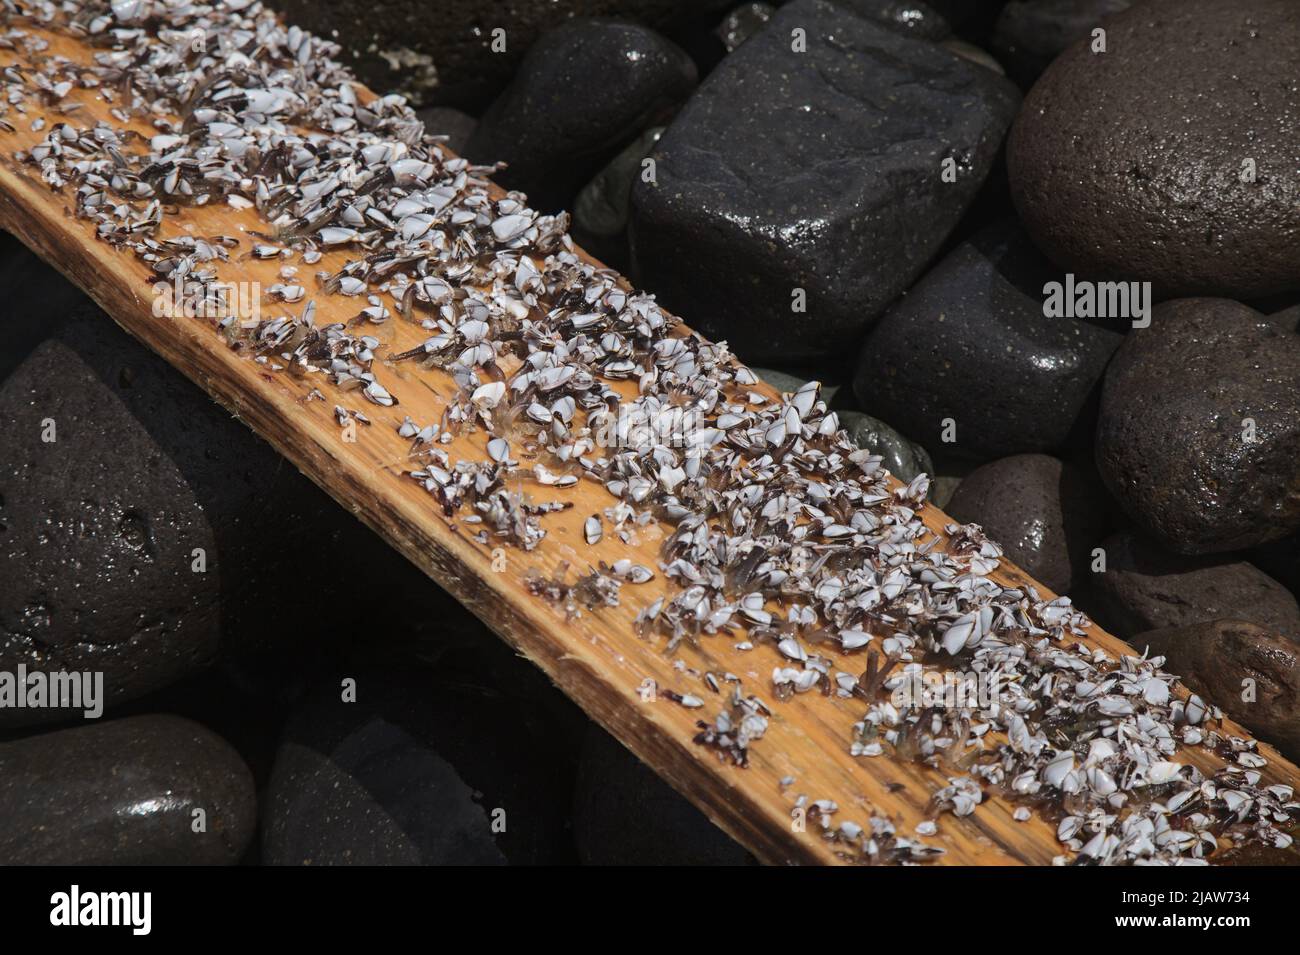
(596, 658)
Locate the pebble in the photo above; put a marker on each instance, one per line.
(585, 90)
(742, 23)
(968, 363)
(1147, 588)
(448, 52)
(1045, 513)
(417, 771)
(909, 17)
(1031, 33)
(1199, 431)
(1217, 659)
(786, 229)
(1170, 158)
(125, 792)
(624, 814)
(458, 127)
(904, 459)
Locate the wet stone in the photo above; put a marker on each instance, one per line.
(1032, 33)
(585, 90)
(742, 23)
(968, 361)
(125, 792)
(1252, 672)
(786, 230)
(1147, 588)
(904, 459)
(1199, 431)
(458, 127)
(1045, 513)
(1171, 157)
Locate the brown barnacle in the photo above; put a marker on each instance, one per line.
(597, 589)
(872, 682)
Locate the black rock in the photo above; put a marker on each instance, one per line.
(1199, 431)
(458, 127)
(1288, 318)
(970, 349)
(101, 528)
(418, 770)
(909, 17)
(759, 195)
(904, 459)
(1046, 515)
(742, 23)
(1032, 33)
(441, 51)
(125, 792)
(1249, 671)
(624, 814)
(584, 91)
(1170, 158)
(601, 211)
(1146, 588)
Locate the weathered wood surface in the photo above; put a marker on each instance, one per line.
(596, 659)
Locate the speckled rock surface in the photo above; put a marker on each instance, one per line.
(758, 195)
(125, 792)
(584, 91)
(1046, 515)
(417, 771)
(1216, 659)
(440, 51)
(1172, 441)
(1133, 162)
(1146, 588)
(624, 814)
(970, 344)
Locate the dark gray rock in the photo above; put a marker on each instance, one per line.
(1288, 318)
(787, 382)
(909, 17)
(1046, 515)
(1032, 33)
(440, 51)
(99, 528)
(1134, 163)
(1217, 659)
(125, 792)
(1172, 435)
(758, 194)
(1146, 588)
(904, 459)
(583, 92)
(970, 343)
(458, 127)
(623, 814)
(417, 771)
(742, 23)
(973, 53)
(602, 206)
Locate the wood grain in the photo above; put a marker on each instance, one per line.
(596, 659)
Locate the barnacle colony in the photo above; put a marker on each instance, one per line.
(781, 534)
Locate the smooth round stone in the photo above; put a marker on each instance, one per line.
(1146, 588)
(904, 459)
(458, 127)
(448, 52)
(1044, 513)
(909, 17)
(583, 92)
(1216, 658)
(623, 814)
(1031, 33)
(1171, 157)
(968, 355)
(125, 792)
(786, 229)
(602, 207)
(1288, 318)
(417, 771)
(1199, 430)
